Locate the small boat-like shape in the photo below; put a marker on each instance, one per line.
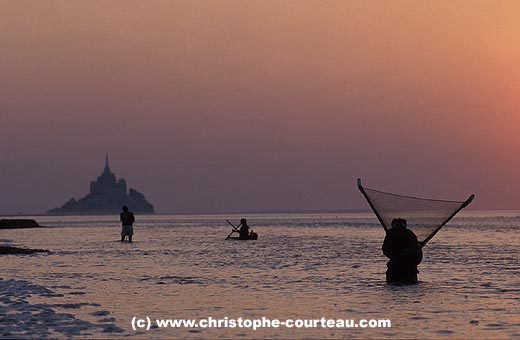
(252, 236)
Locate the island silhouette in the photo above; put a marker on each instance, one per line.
(107, 195)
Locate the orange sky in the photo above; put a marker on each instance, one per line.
(260, 105)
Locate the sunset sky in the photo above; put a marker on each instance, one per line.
(237, 106)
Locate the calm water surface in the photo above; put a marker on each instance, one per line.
(303, 266)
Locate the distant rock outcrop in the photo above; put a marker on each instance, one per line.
(18, 223)
(107, 195)
(17, 251)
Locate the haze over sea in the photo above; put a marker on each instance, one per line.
(303, 266)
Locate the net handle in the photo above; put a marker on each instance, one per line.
(360, 187)
(462, 206)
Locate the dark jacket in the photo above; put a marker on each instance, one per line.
(244, 232)
(127, 218)
(403, 250)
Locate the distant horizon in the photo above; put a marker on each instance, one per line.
(463, 212)
(202, 213)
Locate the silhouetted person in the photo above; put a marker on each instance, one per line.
(127, 220)
(404, 251)
(244, 229)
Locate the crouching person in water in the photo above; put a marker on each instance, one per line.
(244, 229)
(127, 220)
(404, 251)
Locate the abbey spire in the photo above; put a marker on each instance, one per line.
(107, 167)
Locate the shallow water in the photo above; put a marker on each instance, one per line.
(304, 266)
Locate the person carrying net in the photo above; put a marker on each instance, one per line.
(404, 251)
(410, 223)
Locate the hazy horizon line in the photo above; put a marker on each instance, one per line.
(252, 212)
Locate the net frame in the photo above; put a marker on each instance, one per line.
(458, 204)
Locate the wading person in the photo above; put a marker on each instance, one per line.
(404, 251)
(127, 220)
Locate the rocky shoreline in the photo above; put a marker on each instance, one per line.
(19, 224)
(17, 251)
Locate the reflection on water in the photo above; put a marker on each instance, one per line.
(302, 266)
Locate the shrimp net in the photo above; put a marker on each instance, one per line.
(425, 217)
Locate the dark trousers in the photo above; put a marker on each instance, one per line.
(404, 276)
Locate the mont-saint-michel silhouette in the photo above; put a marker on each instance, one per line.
(107, 195)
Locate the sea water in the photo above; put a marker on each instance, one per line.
(303, 266)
